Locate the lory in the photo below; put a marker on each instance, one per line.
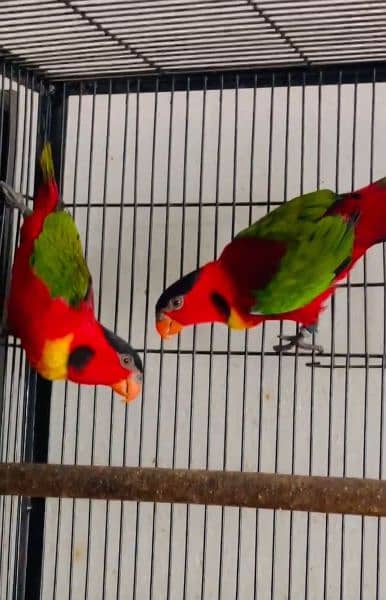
(50, 305)
(283, 267)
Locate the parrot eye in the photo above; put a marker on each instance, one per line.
(176, 303)
(127, 361)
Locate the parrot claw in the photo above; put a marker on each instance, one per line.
(297, 341)
(14, 200)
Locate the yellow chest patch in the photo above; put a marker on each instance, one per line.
(53, 361)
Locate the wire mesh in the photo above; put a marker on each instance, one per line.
(158, 181)
(18, 118)
(87, 38)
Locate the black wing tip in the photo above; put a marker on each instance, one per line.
(343, 265)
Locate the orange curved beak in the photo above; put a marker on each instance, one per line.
(129, 388)
(167, 327)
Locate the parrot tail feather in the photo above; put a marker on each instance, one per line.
(47, 163)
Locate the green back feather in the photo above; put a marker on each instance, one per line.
(59, 261)
(317, 247)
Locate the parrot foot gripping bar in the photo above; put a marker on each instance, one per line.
(297, 341)
(14, 200)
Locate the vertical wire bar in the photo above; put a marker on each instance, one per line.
(89, 206)
(76, 447)
(28, 421)
(120, 232)
(178, 366)
(4, 442)
(3, 214)
(194, 344)
(99, 310)
(104, 206)
(270, 145)
(90, 169)
(64, 422)
(210, 374)
(296, 357)
(161, 367)
(246, 342)
(33, 521)
(34, 436)
(228, 355)
(6, 431)
(132, 282)
(332, 380)
(23, 504)
(116, 313)
(133, 254)
(5, 439)
(348, 339)
(262, 350)
(278, 403)
(259, 404)
(382, 391)
(135, 208)
(21, 356)
(18, 538)
(22, 509)
(366, 350)
(19, 567)
(60, 183)
(34, 440)
(63, 437)
(145, 355)
(312, 382)
(111, 423)
(12, 78)
(3, 76)
(9, 553)
(200, 197)
(294, 393)
(301, 192)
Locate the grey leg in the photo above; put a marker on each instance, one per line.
(297, 341)
(14, 200)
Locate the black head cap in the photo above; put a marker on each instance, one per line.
(179, 288)
(122, 347)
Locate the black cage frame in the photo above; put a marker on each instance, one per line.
(53, 97)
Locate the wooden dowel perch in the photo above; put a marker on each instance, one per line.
(222, 488)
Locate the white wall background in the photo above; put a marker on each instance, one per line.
(212, 400)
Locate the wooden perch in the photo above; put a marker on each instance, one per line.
(222, 488)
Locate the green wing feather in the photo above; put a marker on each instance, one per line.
(318, 247)
(59, 261)
(291, 219)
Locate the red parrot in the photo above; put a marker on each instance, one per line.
(283, 267)
(50, 305)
